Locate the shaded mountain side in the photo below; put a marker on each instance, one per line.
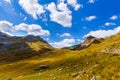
(16, 48)
(4, 36)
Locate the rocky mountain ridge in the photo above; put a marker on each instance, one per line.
(4, 36)
(25, 46)
(88, 41)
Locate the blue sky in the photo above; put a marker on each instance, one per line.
(60, 22)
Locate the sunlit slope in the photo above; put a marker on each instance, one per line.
(91, 63)
(64, 65)
(108, 45)
(19, 48)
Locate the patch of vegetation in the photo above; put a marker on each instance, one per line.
(91, 63)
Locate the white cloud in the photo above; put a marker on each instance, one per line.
(90, 18)
(63, 43)
(74, 4)
(8, 1)
(32, 7)
(65, 35)
(91, 1)
(103, 33)
(32, 29)
(60, 14)
(109, 24)
(6, 27)
(114, 17)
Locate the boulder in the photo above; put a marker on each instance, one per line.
(42, 67)
(9, 79)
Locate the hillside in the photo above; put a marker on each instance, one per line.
(109, 45)
(88, 42)
(98, 61)
(16, 48)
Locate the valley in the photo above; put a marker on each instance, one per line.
(40, 61)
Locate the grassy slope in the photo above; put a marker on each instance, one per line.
(64, 64)
(36, 48)
(115, 39)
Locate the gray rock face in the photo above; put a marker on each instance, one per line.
(89, 40)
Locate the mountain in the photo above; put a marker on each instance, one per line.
(100, 60)
(4, 36)
(88, 42)
(17, 48)
(108, 45)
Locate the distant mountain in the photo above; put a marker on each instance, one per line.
(88, 41)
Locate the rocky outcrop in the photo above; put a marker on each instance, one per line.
(113, 47)
(110, 50)
(89, 40)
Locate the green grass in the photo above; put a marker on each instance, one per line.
(103, 65)
(67, 64)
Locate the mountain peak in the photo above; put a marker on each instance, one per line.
(87, 42)
(90, 37)
(32, 38)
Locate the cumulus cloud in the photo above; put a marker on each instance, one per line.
(114, 17)
(65, 35)
(32, 29)
(109, 24)
(63, 43)
(90, 18)
(6, 27)
(103, 33)
(60, 14)
(74, 4)
(32, 7)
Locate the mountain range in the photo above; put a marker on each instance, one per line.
(32, 58)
